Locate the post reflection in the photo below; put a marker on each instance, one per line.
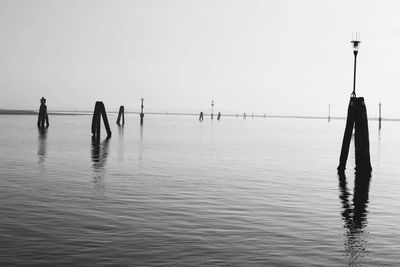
(141, 148)
(42, 144)
(121, 143)
(354, 216)
(99, 153)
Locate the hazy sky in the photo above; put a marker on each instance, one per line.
(273, 57)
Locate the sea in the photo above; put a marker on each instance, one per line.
(180, 192)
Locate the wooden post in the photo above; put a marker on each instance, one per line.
(212, 109)
(201, 118)
(141, 113)
(329, 113)
(43, 118)
(363, 162)
(380, 117)
(219, 116)
(347, 135)
(96, 121)
(357, 118)
(99, 111)
(121, 113)
(244, 116)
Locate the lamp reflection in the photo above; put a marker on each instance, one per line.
(354, 215)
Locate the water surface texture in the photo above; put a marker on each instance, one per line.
(179, 192)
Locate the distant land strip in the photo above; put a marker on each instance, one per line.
(249, 116)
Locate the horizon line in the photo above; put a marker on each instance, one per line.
(251, 115)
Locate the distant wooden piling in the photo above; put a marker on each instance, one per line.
(201, 117)
(219, 116)
(43, 118)
(121, 114)
(141, 113)
(380, 117)
(244, 116)
(329, 113)
(212, 109)
(357, 118)
(99, 111)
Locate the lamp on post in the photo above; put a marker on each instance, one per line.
(356, 44)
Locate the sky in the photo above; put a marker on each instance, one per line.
(283, 57)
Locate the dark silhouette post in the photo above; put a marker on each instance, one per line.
(121, 114)
(357, 118)
(141, 113)
(219, 116)
(99, 111)
(201, 116)
(212, 109)
(43, 117)
(244, 116)
(380, 117)
(361, 134)
(347, 135)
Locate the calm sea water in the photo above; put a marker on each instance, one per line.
(177, 192)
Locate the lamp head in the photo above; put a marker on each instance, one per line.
(356, 44)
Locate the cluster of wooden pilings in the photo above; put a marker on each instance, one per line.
(43, 118)
(100, 111)
(357, 119)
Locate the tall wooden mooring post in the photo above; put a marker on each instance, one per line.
(357, 119)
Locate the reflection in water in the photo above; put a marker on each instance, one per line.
(121, 143)
(141, 147)
(42, 144)
(355, 216)
(99, 157)
(378, 150)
